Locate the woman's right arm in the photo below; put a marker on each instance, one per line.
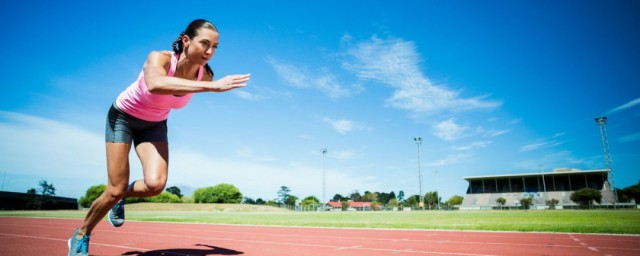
(158, 82)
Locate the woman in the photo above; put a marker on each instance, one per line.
(139, 115)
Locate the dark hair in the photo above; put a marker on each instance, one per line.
(191, 31)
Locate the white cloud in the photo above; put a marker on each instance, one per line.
(344, 154)
(627, 105)
(471, 146)
(395, 62)
(497, 133)
(543, 143)
(322, 79)
(630, 138)
(344, 126)
(450, 159)
(448, 130)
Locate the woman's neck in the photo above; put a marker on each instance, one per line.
(185, 68)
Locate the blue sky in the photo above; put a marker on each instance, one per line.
(492, 87)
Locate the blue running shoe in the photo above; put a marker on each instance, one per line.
(116, 214)
(78, 247)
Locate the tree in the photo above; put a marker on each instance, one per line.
(248, 200)
(393, 203)
(400, 196)
(174, 190)
(633, 192)
(259, 201)
(526, 202)
(221, 193)
(455, 200)
(32, 199)
(283, 194)
(92, 193)
(412, 201)
(552, 203)
(47, 189)
(501, 202)
(585, 196)
(337, 198)
(291, 201)
(355, 196)
(311, 201)
(370, 196)
(164, 197)
(432, 199)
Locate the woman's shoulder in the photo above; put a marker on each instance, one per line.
(161, 54)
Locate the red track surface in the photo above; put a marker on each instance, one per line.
(41, 236)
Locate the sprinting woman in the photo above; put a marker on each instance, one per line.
(139, 115)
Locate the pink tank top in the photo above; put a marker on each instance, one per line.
(137, 101)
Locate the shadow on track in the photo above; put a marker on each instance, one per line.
(213, 250)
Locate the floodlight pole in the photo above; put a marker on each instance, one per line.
(602, 122)
(418, 141)
(324, 185)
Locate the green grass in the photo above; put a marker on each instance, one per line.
(574, 221)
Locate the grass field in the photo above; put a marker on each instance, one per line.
(574, 221)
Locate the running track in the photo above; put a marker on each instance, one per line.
(43, 236)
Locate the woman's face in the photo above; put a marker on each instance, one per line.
(201, 48)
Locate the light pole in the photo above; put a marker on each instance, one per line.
(602, 122)
(418, 141)
(324, 185)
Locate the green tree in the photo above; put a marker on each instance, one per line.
(552, 203)
(585, 196)
(370, 196)
(526, 202)
(501, 202)
(164, 197)
(311, 201)
(337, 198)
(221, 193)
(47, 189)
(355, 196)
(259, 201)
(345, 204)
(272, 203)
(393, 203)
(432, 199)
(174, 190)
(413, 201)
(400, 196)
(633, 192)
(455, 200)
(283, 194)
(92, 193)
(291, 201)
(248, 200)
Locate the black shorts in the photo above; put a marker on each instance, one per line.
(125, 128)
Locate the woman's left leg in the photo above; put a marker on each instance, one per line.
(154, 157)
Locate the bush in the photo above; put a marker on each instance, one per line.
(164, 197)
(221, 193)
(92, 193)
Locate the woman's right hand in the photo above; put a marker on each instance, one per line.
(230, 82)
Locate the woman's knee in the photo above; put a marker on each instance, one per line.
(155, 186)
(116, 192)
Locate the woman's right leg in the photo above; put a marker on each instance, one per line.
(118, 171)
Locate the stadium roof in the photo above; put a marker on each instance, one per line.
(559, 171)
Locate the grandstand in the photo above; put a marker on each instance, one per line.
(557, 184)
